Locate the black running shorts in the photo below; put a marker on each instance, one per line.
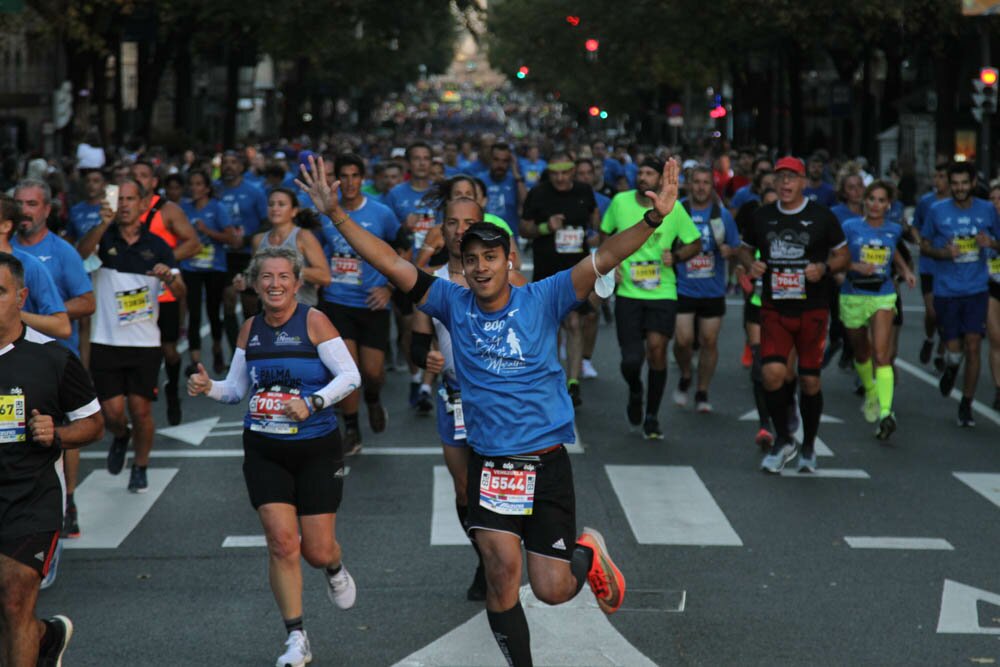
(307, 473)
(366, 327)
(703, 308)
(927, 283)
(634, 317)
(124, 371)
(34, 550)
(550, 530)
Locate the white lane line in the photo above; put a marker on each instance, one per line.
(670, 505)
(229, 424)
(220, 434)
(985, 484)
(827, 473)
(109, 512)
(960, 609)
(574, 633)
(915, 543)
(244, 541)
(980, 408)
(445, 529)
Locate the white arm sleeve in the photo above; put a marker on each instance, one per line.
(346, 378)
(237, 382)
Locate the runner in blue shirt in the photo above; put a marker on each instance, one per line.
(205, 273)
(532, 165)
(701, 288)
(817, 189)
(86, 215)
(520, 414)
(751, 191)
(247, 206)
(868, 301)
(993, 312)
(940, 192)
(505, 189)
(957, 233)
(357, 300)
(851, 190)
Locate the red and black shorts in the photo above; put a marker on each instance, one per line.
(804, 330)
(35, 550)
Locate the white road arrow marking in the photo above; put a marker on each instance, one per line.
(445, 529)
(108, 512)
(916, 543)
(960, 609)
(244, 541)
(193, 433)
(670, 505)
(570, 634)
(985, 484)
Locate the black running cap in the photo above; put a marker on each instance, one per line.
(487, 233)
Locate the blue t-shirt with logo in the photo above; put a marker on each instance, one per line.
(704, 275)
(927, 264)
(404, 200)
(822, 194)
(532, 171)
(871, 245)
(82, 218)
(513, 386)
(502, 199)
(246, 205)
(53, 274)
(946, 223)
(212, 255)
(352, 277)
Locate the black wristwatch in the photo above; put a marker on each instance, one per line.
(317, 402)
(646, 219)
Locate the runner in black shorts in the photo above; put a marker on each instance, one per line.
(294, 460)
(47, 404)
(801, 245)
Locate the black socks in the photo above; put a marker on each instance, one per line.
(811, 408)
(654, 393)
(293, 624)
(510, 629)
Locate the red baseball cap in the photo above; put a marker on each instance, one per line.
(792, 164)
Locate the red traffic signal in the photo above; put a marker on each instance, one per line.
(989, 76)
(718, 112)
(522, 71)
(573, 20)
(592, 45)
(594, 111)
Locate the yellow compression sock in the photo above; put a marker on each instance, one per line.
(884, 383)
(864, 369)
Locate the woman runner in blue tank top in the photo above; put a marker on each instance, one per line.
(296, 367)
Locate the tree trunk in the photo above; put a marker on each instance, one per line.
(232, 96)
(153, 60)
(795, 98)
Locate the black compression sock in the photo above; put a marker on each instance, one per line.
(510, 629)
(701, 396)
(811, 408)
(631, 375)
(760, 399)
(579, 564)
(351, 421)
(333, 571)
(371, 396)
(173, 373)
(777, 404)
(69, 500)
(654, 393)
(684, 384)
(293, 624)
(45, 643)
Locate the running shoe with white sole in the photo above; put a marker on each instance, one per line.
(680, 398)
(870, 407)
(50, 577)
(807, 462)
(62, 631)
(886, 427)
(588, 370)
(780, 454)
(340, 588)
(651, 429)
(634, 408)
(605, 579)
(297, 653)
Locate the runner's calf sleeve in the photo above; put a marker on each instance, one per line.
(811, 408)
(510, 629)
(654, 392)
(579, 564)
(630, 371)
(173, 372)
(371, 395)
(777, 404)
(885, 387)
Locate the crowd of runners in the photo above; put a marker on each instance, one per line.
(481, 270)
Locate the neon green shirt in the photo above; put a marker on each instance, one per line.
(643, 274)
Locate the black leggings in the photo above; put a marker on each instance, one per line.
(213, 282)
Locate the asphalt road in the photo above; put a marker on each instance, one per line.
(725, 565)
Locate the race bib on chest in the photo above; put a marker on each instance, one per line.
(13, 427)
(788, 284)
(267, 412)
(509, 492)
(701, 266)
(134, 306)
(968, 249)
(569, 241)
(205, 257)
(422, 225)
(345, 270)
(876, 255)
(645, 275)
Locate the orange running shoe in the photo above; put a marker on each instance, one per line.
(605, 579)
(747, 356)
(764, 439)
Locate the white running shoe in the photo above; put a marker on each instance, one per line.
(680, 398)
(340, 588)
(589, 372)
(297, 652)
(704, 407)
(871, 408)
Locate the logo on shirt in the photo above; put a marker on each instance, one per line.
(282, 338)
(501, 353)
(255, 341)
(16, 391)
(45, 258)
(806, 223)
(788, 245)
(147, 255)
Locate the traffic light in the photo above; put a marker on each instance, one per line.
(594, 111)
(522, 72)
(573, 20)
(984, 97)
(592, 45)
